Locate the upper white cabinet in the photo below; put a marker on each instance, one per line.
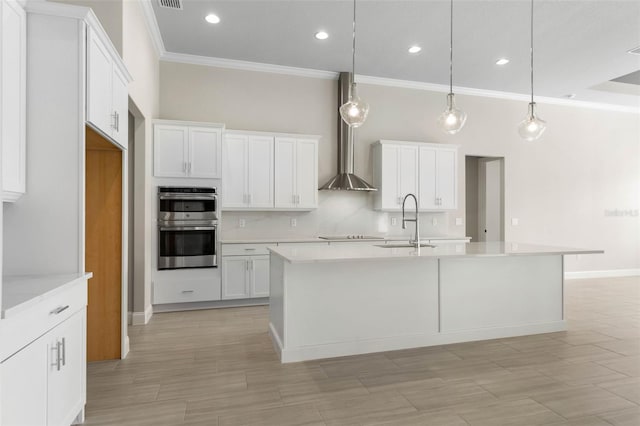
(427, 170)
(184, 149)
(247, 177)
(438, 178)
(296, 173)
(107, 93)
(13, 34)
(266, 171)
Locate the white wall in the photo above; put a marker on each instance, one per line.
(558, 188)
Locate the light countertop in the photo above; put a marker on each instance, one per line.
(342, 253)
(315, 239)
(21, 292)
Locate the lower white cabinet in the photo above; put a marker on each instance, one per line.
(43, 383)
(245, 277)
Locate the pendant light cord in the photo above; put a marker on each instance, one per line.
(353, 49)
(451, 49)
(531, 51)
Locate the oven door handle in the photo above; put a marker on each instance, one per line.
(188, 228)
(205, 197)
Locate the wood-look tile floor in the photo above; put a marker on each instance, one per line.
(218, 367)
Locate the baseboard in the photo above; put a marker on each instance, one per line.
(602, 274)
(275, 339)
(194, 306)
(127, 347)
(142, 318)
(331, 350)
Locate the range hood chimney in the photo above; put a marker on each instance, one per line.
(345, 180)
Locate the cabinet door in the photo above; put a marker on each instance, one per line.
(446, 179)
(204, 152)
(428, 167)
(307, 173)
(259, 280)
(23, 400)
(120, 105)
(285, 173)
(235, 272)
(390, 179)
(170, 151)
(260, 172)
(408, 171)
(13, 96)
(66, 370)
(234, 171)
(99, 84)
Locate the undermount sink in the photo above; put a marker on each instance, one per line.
(405, 245)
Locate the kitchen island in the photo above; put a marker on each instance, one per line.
(333, 301)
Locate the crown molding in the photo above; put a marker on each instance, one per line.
(443, 88)
(152, 27)
(247, 66)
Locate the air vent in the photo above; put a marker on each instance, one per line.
(171, 4)
(635, 51)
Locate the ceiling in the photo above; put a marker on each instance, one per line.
(580, 46)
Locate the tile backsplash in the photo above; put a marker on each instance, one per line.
(338, 213)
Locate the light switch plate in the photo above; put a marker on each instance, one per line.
(294, 222)
(241, 223)
(458, 221)
(514, 221)
(434, 221)
(394, 221)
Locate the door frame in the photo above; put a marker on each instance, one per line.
(484, 159)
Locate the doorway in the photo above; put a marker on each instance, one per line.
(103, 246)
(484, 198)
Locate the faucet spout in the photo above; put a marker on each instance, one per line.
(416, 219)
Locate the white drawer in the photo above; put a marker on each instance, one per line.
(182, 291)
(26, 326)
(245, 249)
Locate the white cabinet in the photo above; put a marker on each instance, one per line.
(182, 150)
(245, 277)
(107, 93)
(267, 171)
(13, 99)
(397, 176)
(427, 170)
(296, 173)
(438, 178)
(247, 178)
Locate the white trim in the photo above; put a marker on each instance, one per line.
(247, 66)
(152, 27)
(164, 122)
(127, 348)
(276, 340)
(272, 134)
(602, 274)
(331, 350)
(142, 318)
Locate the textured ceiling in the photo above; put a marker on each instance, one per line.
(579, 44)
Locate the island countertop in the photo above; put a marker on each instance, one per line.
(334, 253)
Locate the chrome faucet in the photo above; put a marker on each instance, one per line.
(416, 219)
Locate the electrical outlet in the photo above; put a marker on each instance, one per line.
(514, 221)
(394, 221)
(458, 221)
(294, 222)
(241, 222)
(434, 221)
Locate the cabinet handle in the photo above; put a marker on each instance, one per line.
(117, 122)
(56, 362)
(294, 199)
(58, 356)
(246, 265)
(187, 291)
(252, 265)
(248, 198)
(249, 249)
(64, 351)
(189, 167)
(59, 309)
(297, 199)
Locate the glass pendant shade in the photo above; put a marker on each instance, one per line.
(532, 127)
(355, 111)
(452, 120)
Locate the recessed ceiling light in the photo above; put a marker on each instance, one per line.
(322, 35)
(570, 96)
(415, 49)
(502, 61)
(212, 18)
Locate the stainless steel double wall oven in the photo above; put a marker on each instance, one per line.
(187, 227)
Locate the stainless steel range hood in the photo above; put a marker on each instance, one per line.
(345, 180)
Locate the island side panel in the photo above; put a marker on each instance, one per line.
(276, 300)
(352, 307)
(502, 296)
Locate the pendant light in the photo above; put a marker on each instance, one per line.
(354, 112)
(452, 119)
(532, 127)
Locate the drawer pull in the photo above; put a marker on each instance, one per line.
(59, 309)
(249, 249)
(187, 291)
